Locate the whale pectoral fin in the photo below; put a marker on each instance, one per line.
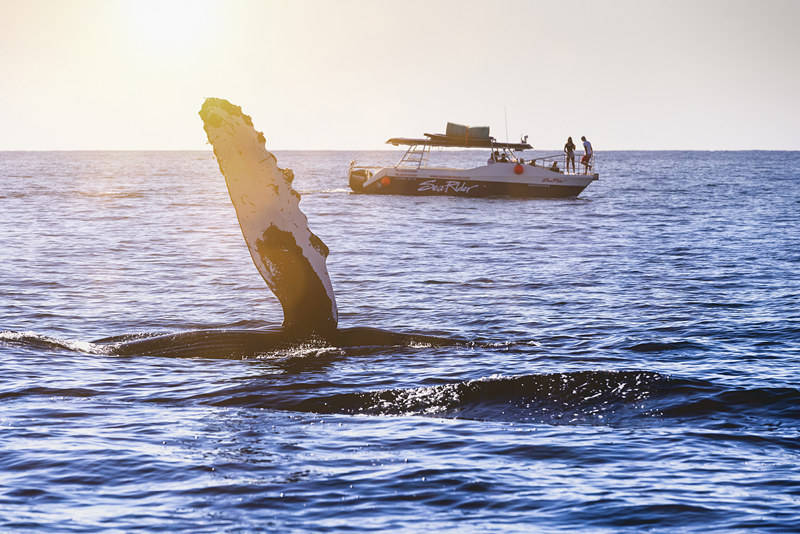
(290, 258)
(294, 281)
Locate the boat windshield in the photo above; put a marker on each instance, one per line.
(419, 156)
(504, 155)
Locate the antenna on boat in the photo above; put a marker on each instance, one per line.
(505, 115)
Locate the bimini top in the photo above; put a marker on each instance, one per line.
(458, 135)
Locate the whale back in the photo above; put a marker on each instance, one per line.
(290, 258)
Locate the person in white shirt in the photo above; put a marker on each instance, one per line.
(587, 156)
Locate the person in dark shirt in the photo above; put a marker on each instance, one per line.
(569, 150)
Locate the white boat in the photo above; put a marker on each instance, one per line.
(506, 172)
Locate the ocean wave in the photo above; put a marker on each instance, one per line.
(32, 339)
(530, 396)
(774, 404)
(49, 392)
(582, 397)
(579, 397)
(595, 397)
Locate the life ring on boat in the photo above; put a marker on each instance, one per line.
(386, 180)
(519, 169)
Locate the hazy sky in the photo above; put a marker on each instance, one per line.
(132, 74)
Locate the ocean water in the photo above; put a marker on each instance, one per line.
(632, 356)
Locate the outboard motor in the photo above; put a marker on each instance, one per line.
(357, 178)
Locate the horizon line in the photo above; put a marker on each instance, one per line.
(2, 150)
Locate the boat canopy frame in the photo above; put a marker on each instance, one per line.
(441, 140)
(419, 149)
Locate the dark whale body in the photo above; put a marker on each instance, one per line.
(289, 257)
(250, 343)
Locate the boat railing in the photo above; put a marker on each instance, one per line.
(558, 163)
(553, 162)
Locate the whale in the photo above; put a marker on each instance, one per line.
(289, 256)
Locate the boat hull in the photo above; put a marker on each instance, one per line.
(533, 182)
(428, 187)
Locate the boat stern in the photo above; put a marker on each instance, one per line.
(357, 176)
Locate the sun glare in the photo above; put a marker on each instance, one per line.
(170, 25)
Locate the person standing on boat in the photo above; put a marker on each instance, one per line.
(569, 150)
(587, 154)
